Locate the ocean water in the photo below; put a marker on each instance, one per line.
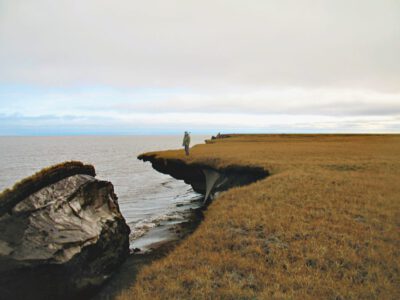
(151, 202)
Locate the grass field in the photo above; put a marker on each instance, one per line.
(324, 225)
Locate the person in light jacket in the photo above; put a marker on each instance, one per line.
(186, 142)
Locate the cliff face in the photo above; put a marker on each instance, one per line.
(203, 178)
(62, 239)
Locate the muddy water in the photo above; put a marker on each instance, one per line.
(150, 202)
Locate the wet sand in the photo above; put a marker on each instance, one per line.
(125, 276)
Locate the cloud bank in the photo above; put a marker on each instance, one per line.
(164, 66)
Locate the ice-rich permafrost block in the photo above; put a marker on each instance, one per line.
(61, 234)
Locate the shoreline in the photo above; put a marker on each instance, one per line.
(161, 228)
(297, 217)
(234, 176)
(125, 276)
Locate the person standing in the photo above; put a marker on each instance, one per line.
(186, 142)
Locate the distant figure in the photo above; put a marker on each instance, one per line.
(186, 142)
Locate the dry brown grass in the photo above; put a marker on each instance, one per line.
(324, 225)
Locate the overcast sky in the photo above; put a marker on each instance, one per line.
(129, 67)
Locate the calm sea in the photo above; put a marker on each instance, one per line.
(150, 201)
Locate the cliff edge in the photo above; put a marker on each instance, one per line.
(205, 178)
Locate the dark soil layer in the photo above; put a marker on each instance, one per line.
(10, 197)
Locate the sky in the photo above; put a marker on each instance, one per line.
(70, 67)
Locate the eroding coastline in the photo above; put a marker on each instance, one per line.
(68, 261)
(205, 180)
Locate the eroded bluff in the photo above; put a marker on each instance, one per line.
(61, 235)
(204, 178)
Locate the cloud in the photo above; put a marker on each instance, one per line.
(284, 100)
(201, 44)
(295, 101)
(101, 66)
(134, 123)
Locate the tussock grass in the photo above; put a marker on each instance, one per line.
(324, 225)
(41, 179)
